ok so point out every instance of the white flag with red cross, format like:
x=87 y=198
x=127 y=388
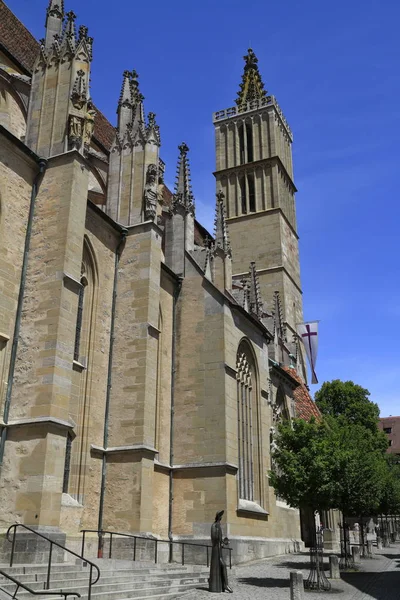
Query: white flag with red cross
x=308 y=332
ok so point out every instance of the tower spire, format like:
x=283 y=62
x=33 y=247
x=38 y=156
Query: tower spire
x=221 y=229
x=54 y=21
x=252 y=86
x=183 y=190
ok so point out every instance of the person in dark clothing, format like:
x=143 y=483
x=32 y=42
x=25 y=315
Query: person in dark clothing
x=218 y=581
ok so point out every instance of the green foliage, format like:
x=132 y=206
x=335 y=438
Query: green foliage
x=348 y=402
x=360 y=469
x=339 y=461
x=303 y=471
x=390 y=497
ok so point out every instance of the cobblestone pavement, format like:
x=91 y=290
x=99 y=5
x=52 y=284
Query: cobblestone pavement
x=377 y=579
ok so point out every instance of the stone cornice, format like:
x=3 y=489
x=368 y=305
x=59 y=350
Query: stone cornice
x=229 y=467
x=49 y=421
x=132 y=449
x=143 y=227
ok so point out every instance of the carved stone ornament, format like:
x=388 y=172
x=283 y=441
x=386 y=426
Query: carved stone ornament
x=89 y=124
x=75 y=131
x=151 y=193
x=78 y=96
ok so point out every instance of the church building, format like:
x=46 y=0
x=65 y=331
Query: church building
x=144 y=361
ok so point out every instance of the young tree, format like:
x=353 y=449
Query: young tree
x=349 y=404
x=360 y=469
x=303 y=470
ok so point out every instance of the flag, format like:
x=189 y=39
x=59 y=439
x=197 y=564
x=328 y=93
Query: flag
x=308 y=332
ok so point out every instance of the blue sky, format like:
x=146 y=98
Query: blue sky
x=334 y=68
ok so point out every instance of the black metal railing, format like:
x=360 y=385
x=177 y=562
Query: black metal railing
x=53 y=543
x=155 y=541
x=19 y=584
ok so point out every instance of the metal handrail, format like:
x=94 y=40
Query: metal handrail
x=53 y=543
x=34 y=592
x=101 y=533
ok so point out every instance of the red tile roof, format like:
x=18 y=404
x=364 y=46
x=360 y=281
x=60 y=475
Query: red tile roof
x=16 y=39
x=22 y=46
x=305 y=406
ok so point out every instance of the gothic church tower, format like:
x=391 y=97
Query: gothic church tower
x=254 y=171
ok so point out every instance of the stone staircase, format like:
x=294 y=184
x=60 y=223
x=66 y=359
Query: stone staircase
x=119 y=580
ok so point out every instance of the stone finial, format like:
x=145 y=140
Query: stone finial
x=183 y=190
x=279 y=324
x=256 y=304
x=83 y=32
x=69 y=37
x=89 y=43
x=251 y=87
x=153 y=130
x=138 y=121
x=125 y=97
x=221 y=228
x=79 y=95
x=55 y=9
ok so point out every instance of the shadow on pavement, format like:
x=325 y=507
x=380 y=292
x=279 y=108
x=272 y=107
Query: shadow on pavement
x=296 y=566
x=266 y=582
x=381 y=586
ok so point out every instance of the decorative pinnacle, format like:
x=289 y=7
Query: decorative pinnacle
x=83 y=32
x=251 y=87
x=56 y=9
x=125 y=97
x=183 y=189
x=255 y=293
x=69 y=32
x=152 y=129
x=221 y=229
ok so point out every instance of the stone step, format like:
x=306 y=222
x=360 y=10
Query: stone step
x=128 y=574
x=112 y=582
x=41 y=568
x=168 y=591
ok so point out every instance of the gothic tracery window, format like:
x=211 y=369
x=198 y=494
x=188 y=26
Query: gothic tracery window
x=248 y=435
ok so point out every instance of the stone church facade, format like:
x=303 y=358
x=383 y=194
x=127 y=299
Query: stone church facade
x=144 y=363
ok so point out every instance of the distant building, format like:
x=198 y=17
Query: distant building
x=391 y=426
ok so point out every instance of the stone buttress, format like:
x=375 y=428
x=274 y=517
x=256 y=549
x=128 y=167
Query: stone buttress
x=134 y=159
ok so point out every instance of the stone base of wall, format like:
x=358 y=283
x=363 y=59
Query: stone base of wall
x=244 y=549
x=30 y=548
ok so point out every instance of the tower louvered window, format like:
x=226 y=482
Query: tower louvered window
x=247 y=428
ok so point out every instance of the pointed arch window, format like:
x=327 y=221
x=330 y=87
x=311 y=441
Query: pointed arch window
x=77 y=449
x=79 y=316
x=248 y=426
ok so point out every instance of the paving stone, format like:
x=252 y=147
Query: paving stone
x=377 y=579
